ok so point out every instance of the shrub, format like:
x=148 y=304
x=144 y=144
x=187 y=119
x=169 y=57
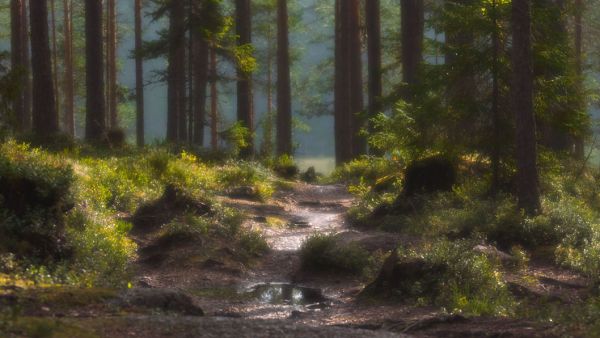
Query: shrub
x=369 y=170
x=35 y=193
x=449 y=274
x=322 y=253
x=285 y=167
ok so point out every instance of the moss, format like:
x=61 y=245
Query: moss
x=35 y=327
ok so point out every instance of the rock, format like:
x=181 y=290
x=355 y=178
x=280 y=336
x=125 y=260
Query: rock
x=244 y=192
x=161 y=299
x=494 y=254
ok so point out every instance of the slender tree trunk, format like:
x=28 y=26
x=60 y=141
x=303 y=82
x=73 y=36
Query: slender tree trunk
x=373 y=23
x=190 y=77
x=68 y=78
x=139 y=75
x=245 y=104
x=201 y=65
x=176 y=74
x=284 y=89
x=495 y=101
x=343 y=134
x=45 y=116
x=95 y=100
x=28 y=89
x=214 y=114
x=54 y=54
x=413 y=21
x=112 y=64
x=526 y=149
x=579 y=9
x=357 y=120
x=17 y=59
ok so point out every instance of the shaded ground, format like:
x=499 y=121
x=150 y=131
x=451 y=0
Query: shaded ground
x=286 y=303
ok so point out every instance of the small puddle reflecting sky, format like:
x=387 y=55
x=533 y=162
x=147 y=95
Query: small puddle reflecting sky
x=287 y=294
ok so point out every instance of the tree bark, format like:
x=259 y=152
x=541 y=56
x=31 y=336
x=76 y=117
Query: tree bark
x=245 y=104
x=17 y=60
x=343 y=140
x=373 y=23
x=526 y=149
x=28 y=89
x=95 y=101
x=139 y=75
x=413 y=25
x=284 y=90
x=579 y=9
x=200 y=73
x=111 y=64
x=45 y=116
x=214 y=114
x=176 y=120
x=357 y=121
x=54 y=54
x=68 y=77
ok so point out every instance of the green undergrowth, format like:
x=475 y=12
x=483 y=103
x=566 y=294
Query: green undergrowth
x=323 y=253
x=73 y=223
x=457 y=278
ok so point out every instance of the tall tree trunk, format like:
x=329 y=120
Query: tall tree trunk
x=357 y=121
x=45 y=116
x=176 y=74
x=111 y=64
x=579 y=9
x=284 y=89
x=201 y=64
x=245 y=104
x=373 y=23
x=413 y=25
x=214 y=114
x=343 y=135
x=528 y=192
x=17 y=59
x=28 y=88
x=495 y=100
x=68 y=77
x=139 y=75
x=54 y=54
x=95 y=125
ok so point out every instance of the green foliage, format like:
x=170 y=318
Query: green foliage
x=323 y=253
x=285 y=167
x=237 y=136
x=466 y=282
x=368 y=170
x=35 y=193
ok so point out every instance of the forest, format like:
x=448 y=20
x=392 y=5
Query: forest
x=273 y=168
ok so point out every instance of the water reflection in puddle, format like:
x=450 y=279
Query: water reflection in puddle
x=286 y=294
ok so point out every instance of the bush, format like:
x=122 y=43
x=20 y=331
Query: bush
x=285 y=167
x=370 y=171
x=35 y=194
x=448 y=274
x=322 y=253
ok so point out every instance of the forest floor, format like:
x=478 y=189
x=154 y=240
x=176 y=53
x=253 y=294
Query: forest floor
x=271 y=295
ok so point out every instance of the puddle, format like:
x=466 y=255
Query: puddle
x=286 y=294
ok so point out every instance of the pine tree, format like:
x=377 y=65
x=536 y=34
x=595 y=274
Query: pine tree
x=284 y=91
x=139 y=75
x=245 y=101
x=95 y=98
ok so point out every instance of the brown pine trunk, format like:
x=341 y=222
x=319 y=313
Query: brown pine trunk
x=373 y=23
x=245 y=104
x=357 y=122
x=522 y=94
x=413 y=20
x=17 y=59
x=28 y=89
x=495 y=101
x=284 y=89
x=343 y=135
x=139 y=75
x=214 y=114
x=68 y=78
x=45 y=116
x=200 y=74
x=95 y=100
x=579 y=9
x=176 y=118
x=111 y=64
x=54 y=54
